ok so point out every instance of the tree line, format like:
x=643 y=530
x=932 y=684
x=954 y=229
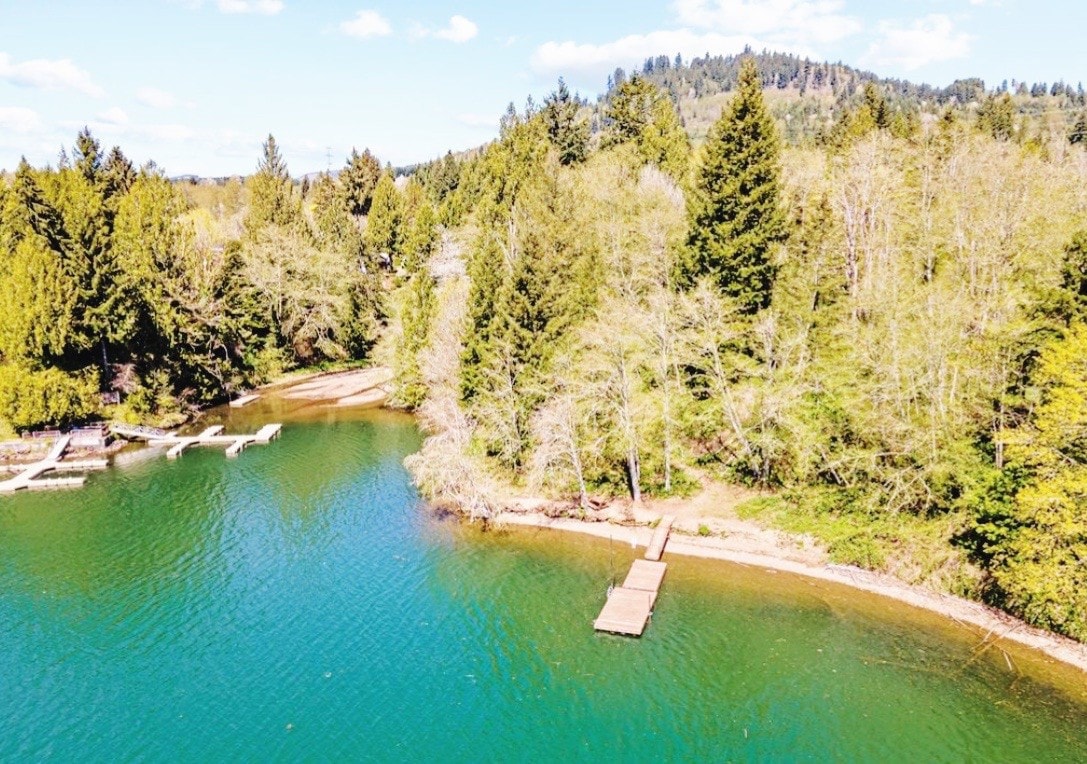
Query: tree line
x=883 y=329
x=113 y=282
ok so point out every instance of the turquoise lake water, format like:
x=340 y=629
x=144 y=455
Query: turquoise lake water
x=300 y=603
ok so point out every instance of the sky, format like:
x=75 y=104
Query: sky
x=197 y=85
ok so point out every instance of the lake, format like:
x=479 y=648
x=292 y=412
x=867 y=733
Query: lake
x=301 y=602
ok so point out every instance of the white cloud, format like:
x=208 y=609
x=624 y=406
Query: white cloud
x=262 y=7
x=588 y=60
x=458 y=30
x=113 y=116
x=41 y=73
x=780 y=21
x=367 y=24
x=155 y=98
x=923 y=41
x=19 y=119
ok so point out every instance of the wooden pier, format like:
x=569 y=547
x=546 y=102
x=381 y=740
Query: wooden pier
x=244 y=400
x=29 y=477
x=629 y=606
x=213 y=436
x=660 y=538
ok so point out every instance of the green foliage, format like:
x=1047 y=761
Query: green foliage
x=735 y=210
x=383 y=226
x=419 y=237
x=358 y=180
x=641 y=114
x=272 y=200
x=996 y=116
x=1077 y=135
x=568 y=132
x=416 y=315
x=32 y=398
x=101 y=266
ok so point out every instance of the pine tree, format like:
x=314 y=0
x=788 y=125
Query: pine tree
x=88 y=159
x=643 y=114
x=39 y=285
x=383 y=225
x=997 y=117
x=735 y=210
x=419 y=238
x=416 y=315
x=877 y=106
x=568 y=133
x=358 y=179
x=272 y=201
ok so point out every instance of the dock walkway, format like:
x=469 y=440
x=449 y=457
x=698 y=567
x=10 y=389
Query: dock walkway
x=629 y=606
x=213 y=436
x=29 y=476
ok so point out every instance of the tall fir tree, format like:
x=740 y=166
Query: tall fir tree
x=358 y=179
x=735 y=209
x=383 y=225
x=568 y=133
x=643 y=114
x=272 y=201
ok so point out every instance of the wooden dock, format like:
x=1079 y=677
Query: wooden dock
x=29 y=477
x=213 y=436
x=660 y=538
x=629 y=606
x=244 y=400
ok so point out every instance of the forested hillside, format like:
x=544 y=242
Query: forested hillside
x=864 y=298
x=881 y=325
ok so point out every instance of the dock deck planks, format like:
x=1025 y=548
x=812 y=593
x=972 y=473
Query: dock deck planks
x=646 y=576
x=626 y=612
x=29 y=478
x=629 y=606
x=660 y=538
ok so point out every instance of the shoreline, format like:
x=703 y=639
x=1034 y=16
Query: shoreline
x=999 y=625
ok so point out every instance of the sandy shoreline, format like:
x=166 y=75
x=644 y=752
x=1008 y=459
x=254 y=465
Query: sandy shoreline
x=999 y=625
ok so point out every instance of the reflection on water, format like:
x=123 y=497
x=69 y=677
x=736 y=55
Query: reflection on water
x=300 y=603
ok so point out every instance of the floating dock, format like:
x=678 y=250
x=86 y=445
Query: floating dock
x=244 y=400
x=29 y=477
x=213 y=436
x=629 y=606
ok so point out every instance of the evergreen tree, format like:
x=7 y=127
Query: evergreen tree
x=643 y=114
x=118 y=174
x=39 y=281
x=663 y=142
x=417 y=313
x=383 y=225
x=735 y=209
x=272 y=201
x=996 y=116
x=88 y=160
x=877 y=106
x=419 y=239
x=630 y=110
x=568 y=134
x=358 y=179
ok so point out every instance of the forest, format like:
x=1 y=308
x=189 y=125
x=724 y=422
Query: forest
x=866 y=301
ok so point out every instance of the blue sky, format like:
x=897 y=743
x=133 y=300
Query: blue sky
x=197 y=84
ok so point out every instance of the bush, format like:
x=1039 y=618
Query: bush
x=34 y=398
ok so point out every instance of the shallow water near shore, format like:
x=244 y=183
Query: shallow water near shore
x=301 y=602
